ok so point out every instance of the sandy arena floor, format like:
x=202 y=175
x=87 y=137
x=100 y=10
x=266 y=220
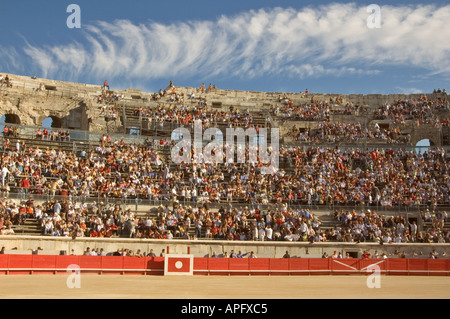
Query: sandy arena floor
x=218 y=287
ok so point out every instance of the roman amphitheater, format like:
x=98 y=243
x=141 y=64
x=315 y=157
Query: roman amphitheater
x=357 y=152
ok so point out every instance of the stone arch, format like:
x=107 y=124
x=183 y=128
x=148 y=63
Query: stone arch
x=423 y=145
x=51 y=122
x=426 y=139
x=426 y=132
x=10 y=118
x=432 y=139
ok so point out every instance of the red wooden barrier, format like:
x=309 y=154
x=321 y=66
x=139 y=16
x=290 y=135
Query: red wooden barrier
x=369 y=265
x=90 y=264
x=397 y=266
x=279 y=266
x=259 y=266
x=238 y=266
x=42 y=264
x=345 y=266
x=155 y=265
x=320 y=266
x=132 y=263
x=201 y=266
x=112 y=265
x=218 y=266
x=20 y=264
x=418 y=267
x=4 y=260
x=299 y=266
x=62 y=262
x=438 y=267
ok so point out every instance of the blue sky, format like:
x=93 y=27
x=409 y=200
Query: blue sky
x=272 y=46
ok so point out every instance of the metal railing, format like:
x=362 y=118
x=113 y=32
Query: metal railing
x=29 y=132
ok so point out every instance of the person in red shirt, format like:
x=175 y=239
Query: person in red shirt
x=45 y=134
x=94 y=233
x=25 y=183
x=365 y=255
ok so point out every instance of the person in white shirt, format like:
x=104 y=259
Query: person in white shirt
x=194 y=194
x=148 y=223
x=14 y=209
x=174 y=194
x=400 y=228
x=303 y=228
x=5 y=172
x=252 y=255
x=269 y=232
x=255 y=232
x=398 y=239
x=262 y=233
x=56 y=218
x=375 y=255
x=57 y=207
x=38 y=212
x=413 y=228
x=9 y=231
x=48 y=227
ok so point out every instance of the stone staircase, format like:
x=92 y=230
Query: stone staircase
x=30 y=227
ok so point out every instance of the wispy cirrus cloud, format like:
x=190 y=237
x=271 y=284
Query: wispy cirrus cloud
x=331 y=40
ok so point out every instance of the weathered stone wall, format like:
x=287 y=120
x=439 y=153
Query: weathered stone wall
x=31 y=106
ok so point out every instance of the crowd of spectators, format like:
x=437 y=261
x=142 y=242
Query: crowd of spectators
x=53 y=135
x=14 y=213
x=367 y=225
x=109 y=98
x=237 y=223
x=11 y=131
x=371 y=177
x=336 y=132
x=313 y=176
x=320 y=176
x=79 y=219
x=229 y=222
x=108 y=101
x=421 y=111
x=314 y=111
x=187 y=114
